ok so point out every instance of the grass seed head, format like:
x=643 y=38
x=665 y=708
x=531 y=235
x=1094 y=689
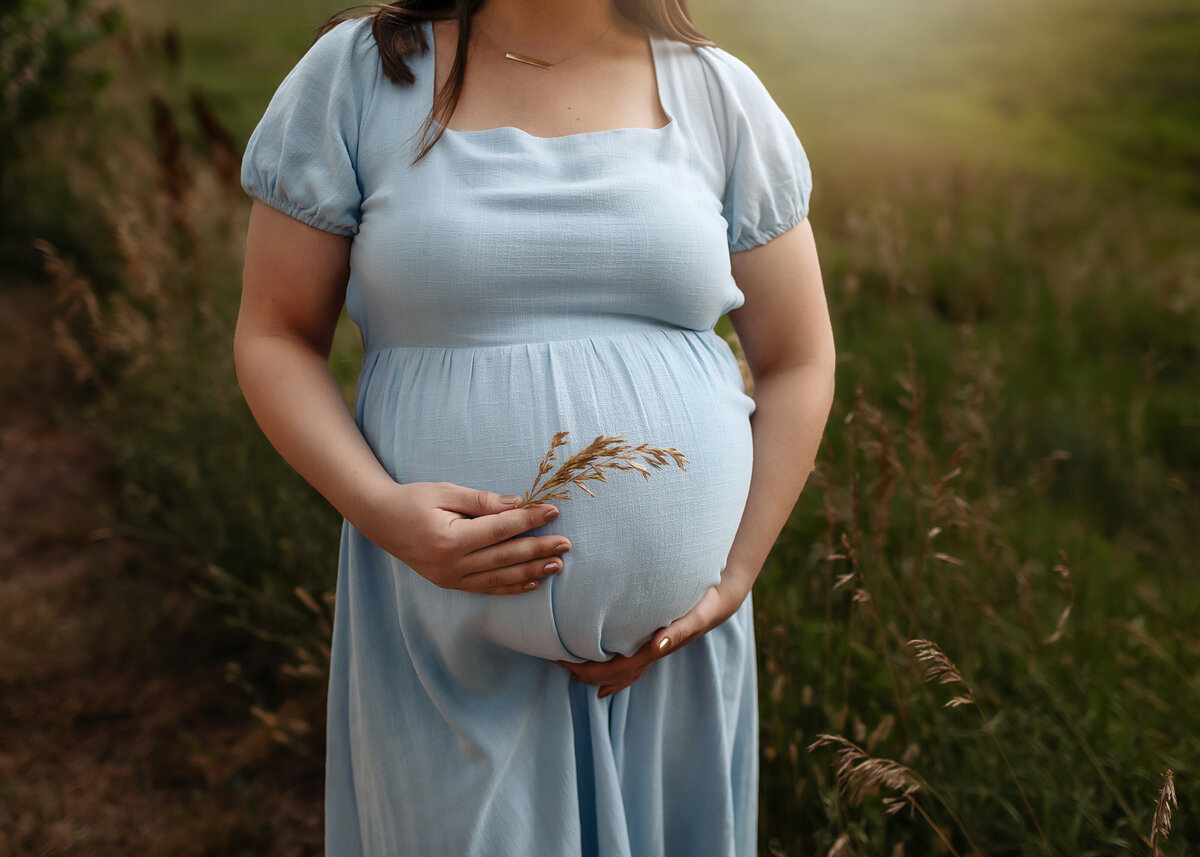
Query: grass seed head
x=593 y=463
x=936 y=667
x=1167 y=803
x=859 y=774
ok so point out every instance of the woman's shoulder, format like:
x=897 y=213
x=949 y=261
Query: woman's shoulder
x=338 y=75
x=723 y=65
x=724 y=80
x=347 y=47
x=303 y=155
x=766 y=179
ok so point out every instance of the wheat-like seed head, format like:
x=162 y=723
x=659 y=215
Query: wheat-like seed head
x=936 y=667
x=605 y=453
x=1167 y=802
x=859 y=774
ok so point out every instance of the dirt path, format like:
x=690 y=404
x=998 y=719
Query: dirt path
x=119 y=734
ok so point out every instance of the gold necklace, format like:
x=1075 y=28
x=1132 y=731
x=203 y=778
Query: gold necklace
x=533 y=61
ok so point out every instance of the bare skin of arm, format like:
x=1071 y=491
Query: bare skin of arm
x=786 y=334
x=458 y=537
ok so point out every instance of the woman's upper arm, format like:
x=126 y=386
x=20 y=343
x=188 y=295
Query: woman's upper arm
x=784 y=321
x=294 y=281
x=301 y=167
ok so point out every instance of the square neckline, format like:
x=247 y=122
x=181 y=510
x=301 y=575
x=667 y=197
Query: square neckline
x=657 y=64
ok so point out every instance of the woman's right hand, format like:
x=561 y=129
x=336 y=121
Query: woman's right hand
x=464 y=538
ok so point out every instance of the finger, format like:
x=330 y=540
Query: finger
x=607 y=682
x=513 y=589
x=589 y=676
x=594 y=672
x=488 y=530
x=684 y=629
x=502 y=578
x=617 y=686
x=609 y=690
x=598 y=672
x=588 y=680
x=675 y=636
x=584 y=672
x=515 y=552
x=476 y=502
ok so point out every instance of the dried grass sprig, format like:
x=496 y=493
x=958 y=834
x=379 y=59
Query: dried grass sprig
x=1167 y=802
x=936 y=667
x=591 y=464
x=860 y=774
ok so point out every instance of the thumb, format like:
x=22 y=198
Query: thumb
x=476 y=502
x=680 y=632
x=671 y=637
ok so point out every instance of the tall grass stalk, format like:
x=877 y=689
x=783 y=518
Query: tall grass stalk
x=938 y=668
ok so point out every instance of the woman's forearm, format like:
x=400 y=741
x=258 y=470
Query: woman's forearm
x=791 y=408
x=297 y=403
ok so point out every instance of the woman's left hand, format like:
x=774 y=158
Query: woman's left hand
x=716 y=605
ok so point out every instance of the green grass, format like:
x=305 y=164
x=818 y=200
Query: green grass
x=237 y=53
x=1006 y=210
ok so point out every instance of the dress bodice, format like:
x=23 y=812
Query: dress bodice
x=499 y=236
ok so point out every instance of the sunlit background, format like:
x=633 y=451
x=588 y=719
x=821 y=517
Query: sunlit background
x=1007 y=206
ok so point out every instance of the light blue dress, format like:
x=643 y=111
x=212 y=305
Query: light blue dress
x=510 y=286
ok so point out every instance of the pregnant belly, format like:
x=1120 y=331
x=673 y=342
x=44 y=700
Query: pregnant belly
x=643 y=551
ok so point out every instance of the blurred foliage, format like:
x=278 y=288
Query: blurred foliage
x=44 y=72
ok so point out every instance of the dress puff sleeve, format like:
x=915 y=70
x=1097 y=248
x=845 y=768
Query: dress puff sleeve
x=302 y=157
x=767 y=175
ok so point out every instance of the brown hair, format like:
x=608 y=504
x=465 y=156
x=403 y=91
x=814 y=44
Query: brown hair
x=398 y=32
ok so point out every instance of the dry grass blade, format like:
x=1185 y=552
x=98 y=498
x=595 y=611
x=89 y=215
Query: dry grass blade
x=1167 y=803
x=591 y=464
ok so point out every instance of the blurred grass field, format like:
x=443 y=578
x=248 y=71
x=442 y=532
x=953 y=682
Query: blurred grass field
x=1007 y=206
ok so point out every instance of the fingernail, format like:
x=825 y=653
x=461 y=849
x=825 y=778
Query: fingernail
x=551 y=515
x=553 y=565
x=664 y=644
x=531 y=585
x=510 y=500
x=562 y=548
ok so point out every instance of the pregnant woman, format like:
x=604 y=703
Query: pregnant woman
x=536 y=211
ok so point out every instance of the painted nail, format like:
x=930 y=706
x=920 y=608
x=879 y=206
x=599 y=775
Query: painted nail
x=531 y=585
x=562 y=547
x=664 y=644
x=553 y=566
x=551 y=515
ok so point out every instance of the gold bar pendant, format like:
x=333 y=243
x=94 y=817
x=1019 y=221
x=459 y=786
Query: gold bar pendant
x=528 y=60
